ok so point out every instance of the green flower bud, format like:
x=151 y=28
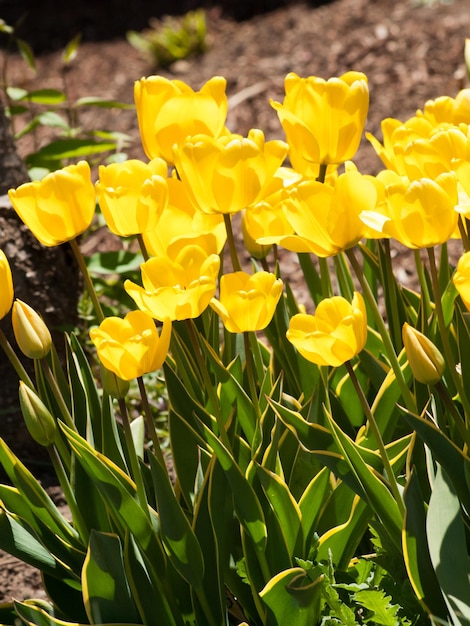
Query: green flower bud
x=426 y=362
x=31 y=333
x=39 y=421
x=113 y=385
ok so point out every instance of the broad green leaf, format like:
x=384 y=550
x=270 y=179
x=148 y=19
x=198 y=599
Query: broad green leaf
x=114 y=262
x=175 y=529
x=34 y=613
x=27 y=53
x=69 y=149
x=416 y=551
x=291 y=600
x=247 y=506
x=448 y=547
x=284 y=506
x=106 y=591
x=45 y=96
x=312 y=501
x=101 y=102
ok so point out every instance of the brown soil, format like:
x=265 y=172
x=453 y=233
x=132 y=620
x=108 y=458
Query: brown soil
x=411 y=52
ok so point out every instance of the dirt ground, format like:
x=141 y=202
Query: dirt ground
x=410 y=51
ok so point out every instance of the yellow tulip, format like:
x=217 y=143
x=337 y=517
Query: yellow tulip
x=335 y=334
x=132 y=195
x=168 y=111
x=323 y=119
x=447 y=110
x=179 y=286
x=418 y=214
x=131 y=347
x=426 y=362
x=31 y=333
x=461 y=279
x=247 y=302
x=6 y=285
x=59 y=207
x=227 y=174
x=326 y=218
x=181 y=221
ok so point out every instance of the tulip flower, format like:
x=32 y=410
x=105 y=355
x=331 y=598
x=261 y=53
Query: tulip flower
x=59 y=207
x=247 y=302
x=179 y=286
x=461 y=279
x=31 y=333
x=335 y=334
x=169 y=111
x=40 y=423
x=426 y=362
x=326 y=218
x=418 y=214
x=131 y=347
x=446 y=110
x=6 y=285
x=227 y=174
x=132 y=195
x=323 y=119
x=180 y=221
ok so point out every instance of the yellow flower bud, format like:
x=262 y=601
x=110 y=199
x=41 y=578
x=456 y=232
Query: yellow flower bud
x=59 y=207
x=6 y=285
x=31 y=333
x=426 y=362
x=334 y=335
x=461 y=279
x=40 y=423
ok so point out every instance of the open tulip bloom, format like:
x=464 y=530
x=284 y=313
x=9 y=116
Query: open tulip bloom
x=290 y=429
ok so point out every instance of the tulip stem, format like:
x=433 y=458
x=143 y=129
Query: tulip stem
x=14 y=360
x=87 y=278
x=444 y=334
x=133 y=458
x=152 y=431
x=59 y=398
x=385 y=335
x=231 y=243
x=378 y=437
x=213 y=399
x=143 y=247
x=464 y=233
x=424 y=286
x=250 y=374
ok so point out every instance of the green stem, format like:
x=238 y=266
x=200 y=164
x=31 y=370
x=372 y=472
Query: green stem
x=378 y=437
x=231 y=243
x=408 y=398
x=450 y=404
x=134 y=459
x=143 y=247
x=391 y=294
x=213 y=399
x=69 y=495
x=150 y=423
x=87 y=278
x=59 y=398
x=424 y=285
x=14 y=360
x=444 y=335
x=250 y=374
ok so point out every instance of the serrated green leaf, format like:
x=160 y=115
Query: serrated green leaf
x=376 y=601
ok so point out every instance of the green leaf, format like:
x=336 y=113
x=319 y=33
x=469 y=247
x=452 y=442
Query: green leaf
x=45 y=96
x=376 y=601
x=312 y=501
x=71 y=49
x=101 y=102
x=176 y=532
x=106 y=591
x=114 y=262
x=448 y=547
x=292 y=598
x=69 y=149
x=33 y=612
x=27 y=53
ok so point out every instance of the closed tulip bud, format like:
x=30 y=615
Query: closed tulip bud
x=426 y=362
x=59 y=207
x=40 y=423
x=6 y=285
x=113 y=385
x=31 y=333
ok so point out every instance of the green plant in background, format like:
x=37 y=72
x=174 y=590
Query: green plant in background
x=53 y=111
x=317 y=467
x=172 y=38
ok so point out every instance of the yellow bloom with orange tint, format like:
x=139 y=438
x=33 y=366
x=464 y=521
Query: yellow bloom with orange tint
x=335 y=334
x=169 y=111
x=6 y=285
x=59 y=207
x=247 y=302
x=132 y=195
x=227 y=174
x=179 y=286
x=132 y=346
x=323 y=119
